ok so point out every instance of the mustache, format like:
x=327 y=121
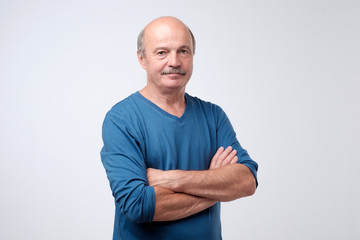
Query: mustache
x=173 y=70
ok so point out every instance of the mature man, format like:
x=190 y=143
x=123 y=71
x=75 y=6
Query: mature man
x=164 y=150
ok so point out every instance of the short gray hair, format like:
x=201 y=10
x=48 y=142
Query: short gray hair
x=141 y=42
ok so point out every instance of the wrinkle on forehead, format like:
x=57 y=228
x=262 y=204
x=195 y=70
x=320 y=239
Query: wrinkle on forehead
x=167 y=29
x=165 y=21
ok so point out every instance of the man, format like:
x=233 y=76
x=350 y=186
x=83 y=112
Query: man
x=164 y=150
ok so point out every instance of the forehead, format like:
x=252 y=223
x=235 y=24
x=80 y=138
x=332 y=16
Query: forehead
x=168 y=33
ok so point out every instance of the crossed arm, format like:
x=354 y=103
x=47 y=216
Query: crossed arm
x=179 y=194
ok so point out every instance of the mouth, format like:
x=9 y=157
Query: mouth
x=174 y=71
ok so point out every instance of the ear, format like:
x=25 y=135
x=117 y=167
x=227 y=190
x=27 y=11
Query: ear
x=142 y=60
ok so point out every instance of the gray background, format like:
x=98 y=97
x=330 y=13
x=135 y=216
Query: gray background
x=286 y=72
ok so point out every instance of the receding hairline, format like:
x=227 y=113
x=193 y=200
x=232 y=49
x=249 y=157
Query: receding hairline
x=141 y=37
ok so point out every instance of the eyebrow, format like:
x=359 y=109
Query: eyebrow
x=160 y=48
x=166 y=48
x=185 y=46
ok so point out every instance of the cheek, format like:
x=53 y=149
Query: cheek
x=157 y=66
x=188 y=65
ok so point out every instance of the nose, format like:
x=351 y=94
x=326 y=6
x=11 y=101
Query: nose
x=174 y=60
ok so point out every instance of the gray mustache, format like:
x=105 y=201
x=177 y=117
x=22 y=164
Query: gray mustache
x=174 y=70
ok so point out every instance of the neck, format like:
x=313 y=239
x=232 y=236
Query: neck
x=172 y=102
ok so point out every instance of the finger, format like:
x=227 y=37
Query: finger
x=223 y=156
x=215 y=162
x=148 y=171
x=149 y=176
x=225 y=153
x=234 y=160
x=229 y=158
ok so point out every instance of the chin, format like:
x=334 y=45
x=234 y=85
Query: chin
x=176 y=85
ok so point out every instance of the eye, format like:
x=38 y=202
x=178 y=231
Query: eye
x=184 y=51
x=160 y=53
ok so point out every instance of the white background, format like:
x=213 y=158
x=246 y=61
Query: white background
x=286 y=72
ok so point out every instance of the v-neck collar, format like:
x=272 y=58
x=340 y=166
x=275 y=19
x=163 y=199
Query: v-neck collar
x=139 y=96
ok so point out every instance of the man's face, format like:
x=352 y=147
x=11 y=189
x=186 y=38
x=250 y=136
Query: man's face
x=168 y=58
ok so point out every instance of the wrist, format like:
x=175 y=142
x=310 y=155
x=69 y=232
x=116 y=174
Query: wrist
x=178 y=180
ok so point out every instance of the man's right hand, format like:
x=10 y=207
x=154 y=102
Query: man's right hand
x=223 y=157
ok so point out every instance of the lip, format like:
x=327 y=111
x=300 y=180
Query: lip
x=174 y=75
x=178 y=74
x=181 y=72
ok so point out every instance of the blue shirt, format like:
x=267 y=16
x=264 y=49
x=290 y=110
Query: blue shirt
x=137 y=134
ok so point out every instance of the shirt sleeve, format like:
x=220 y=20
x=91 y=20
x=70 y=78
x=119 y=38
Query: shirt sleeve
x=126 y=170
x=226 y=136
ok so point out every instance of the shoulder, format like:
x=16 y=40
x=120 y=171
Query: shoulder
x=203 y=104
x=210 y=110
x=125 y=109
x=124 y=116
